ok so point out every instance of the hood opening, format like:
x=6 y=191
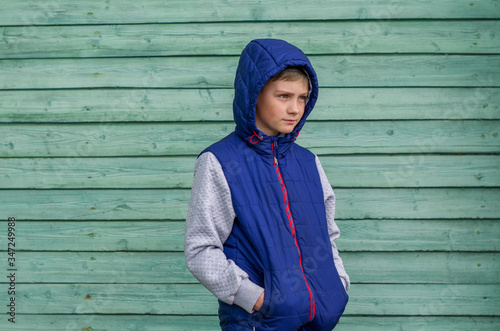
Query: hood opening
x=261 y=60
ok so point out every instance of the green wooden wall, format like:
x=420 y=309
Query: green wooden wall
x=104 y=106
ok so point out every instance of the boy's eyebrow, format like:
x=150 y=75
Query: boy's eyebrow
x=289 y=92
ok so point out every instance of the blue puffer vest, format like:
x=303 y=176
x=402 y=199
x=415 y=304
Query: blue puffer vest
x=280 y=236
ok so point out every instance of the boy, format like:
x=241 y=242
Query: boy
x=260 y=228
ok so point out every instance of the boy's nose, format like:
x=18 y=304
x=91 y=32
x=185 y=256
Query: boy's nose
x=294 y=107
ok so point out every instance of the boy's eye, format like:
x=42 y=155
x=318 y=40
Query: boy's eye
x=283 y=96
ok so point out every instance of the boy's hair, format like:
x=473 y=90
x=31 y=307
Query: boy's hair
x=291 y=74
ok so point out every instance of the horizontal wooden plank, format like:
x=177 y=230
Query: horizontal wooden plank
x=151 y=268
x=424 y=300
x=356 y=236
x=218 y=72
x=169 y=105
x=418 y=268
x=420 y=323
x=25 y=322
x=162 y=139
x=186 y=299
x=418 y=235
x=425 y=170
x=133 y=172
x=94 y=204
x=155 y=204
x=102 y=268
x=418 y=203
x=330 y=37
x=100 y=236
x=28 y=12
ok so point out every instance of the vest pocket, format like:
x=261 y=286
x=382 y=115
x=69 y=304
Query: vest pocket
x=286 y=298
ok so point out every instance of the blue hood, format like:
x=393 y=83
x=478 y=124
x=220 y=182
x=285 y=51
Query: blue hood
x=260 y=60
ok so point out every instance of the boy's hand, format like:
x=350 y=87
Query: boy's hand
x=259 y=302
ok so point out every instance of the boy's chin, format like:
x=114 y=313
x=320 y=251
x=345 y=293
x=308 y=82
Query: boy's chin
x=287 y=130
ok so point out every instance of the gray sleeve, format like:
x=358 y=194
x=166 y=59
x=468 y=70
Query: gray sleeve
x=333 y=229
x=208 y=224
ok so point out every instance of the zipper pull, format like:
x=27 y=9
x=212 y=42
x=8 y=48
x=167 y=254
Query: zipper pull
x=275 y=151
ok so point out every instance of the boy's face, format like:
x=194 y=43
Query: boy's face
x=280 y=106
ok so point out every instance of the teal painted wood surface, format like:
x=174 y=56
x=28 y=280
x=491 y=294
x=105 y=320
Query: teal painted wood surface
x=161 y=139
x=211 y=323
x=419 y=235
x=29 y=12
x=169 y=267
x=413 y=170
x=384 y=235
x=330 y=37
x=434 y=323
x=428 y=300
x=104 y=106
x=86 y=322
x=176 y=105
x=188 y=299
x=218 y=72
x=171 y=204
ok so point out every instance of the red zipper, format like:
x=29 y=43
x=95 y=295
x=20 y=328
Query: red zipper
x=292 y=228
